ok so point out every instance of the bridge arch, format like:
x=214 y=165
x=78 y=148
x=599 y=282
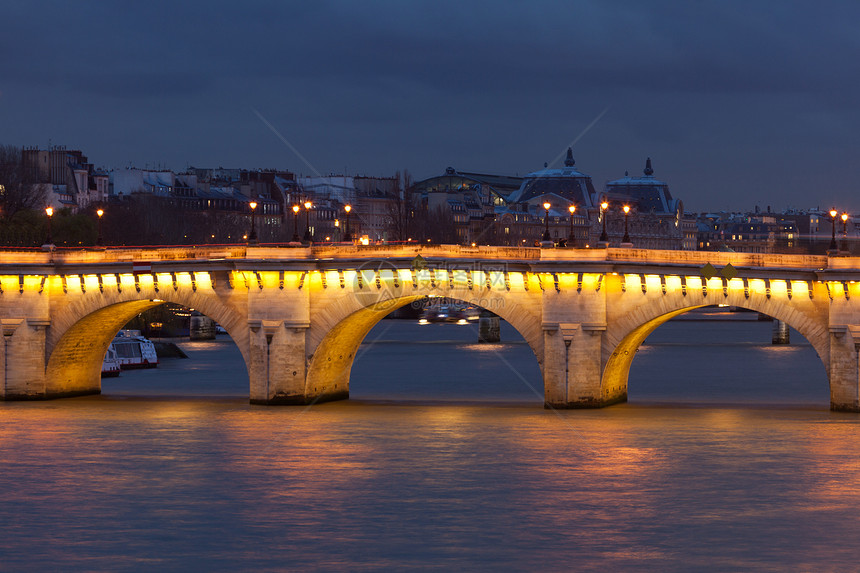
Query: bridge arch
x=629 y=332
x=81 y=332
x=340 y=330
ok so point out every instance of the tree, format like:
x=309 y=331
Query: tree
x=143 y=219
x=401 y=208
x=19 y=190
x=24 y=229
x=440 y=227
x=73 y=230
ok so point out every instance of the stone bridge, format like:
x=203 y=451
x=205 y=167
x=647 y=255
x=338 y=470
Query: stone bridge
x=298 y=315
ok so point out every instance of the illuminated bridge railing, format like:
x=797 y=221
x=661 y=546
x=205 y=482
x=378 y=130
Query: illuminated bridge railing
x=322 y=252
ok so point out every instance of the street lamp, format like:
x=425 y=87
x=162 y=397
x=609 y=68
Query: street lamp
x=603 y=207
x=296 y=223
x=100 y=212
x=308 y=206
x=252 y=236
x=626 y=238
x=546 y=207
x=348 y=235
x=833 y=213
x=49 y=211
x=844 y=231
x=571 y=240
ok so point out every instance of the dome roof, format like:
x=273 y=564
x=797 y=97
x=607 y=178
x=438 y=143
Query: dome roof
x=651 y=194
x=566 y=182
x=646 y=179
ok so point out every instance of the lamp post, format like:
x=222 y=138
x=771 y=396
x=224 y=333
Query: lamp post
x=626 y=238
x=49 y=211
x=571 y=240
x=833 y=213
x=296 y=223
x=252 y=236
x=99 y=241
x=546 y=207
x=603 y=207
x=348 y=235
x=844 y=231
x=308 y=206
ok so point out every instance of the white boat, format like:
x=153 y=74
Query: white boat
x=134 y=351
x=110 y=365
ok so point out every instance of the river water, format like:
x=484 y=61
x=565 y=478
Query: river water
x=725 y=458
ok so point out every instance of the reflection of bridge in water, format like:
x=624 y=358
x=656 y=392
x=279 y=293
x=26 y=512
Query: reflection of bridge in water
x=298 y=315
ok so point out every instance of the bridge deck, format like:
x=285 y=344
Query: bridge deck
x=515 y=259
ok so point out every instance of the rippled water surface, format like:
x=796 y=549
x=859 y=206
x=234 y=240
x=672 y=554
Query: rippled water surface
x=725 y=458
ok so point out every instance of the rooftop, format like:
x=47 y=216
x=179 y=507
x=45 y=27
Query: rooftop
x=566 y=182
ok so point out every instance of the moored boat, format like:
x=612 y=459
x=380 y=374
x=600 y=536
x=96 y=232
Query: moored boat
x=110 y=365
x=134 y=350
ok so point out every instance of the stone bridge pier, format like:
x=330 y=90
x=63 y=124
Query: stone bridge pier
x=573 y=328
x=845 y=368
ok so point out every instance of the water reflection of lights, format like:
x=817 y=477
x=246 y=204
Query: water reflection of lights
x=487 y=348
x=782 y=349
x=423 y=321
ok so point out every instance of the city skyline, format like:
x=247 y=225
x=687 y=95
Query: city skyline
x=733 y=110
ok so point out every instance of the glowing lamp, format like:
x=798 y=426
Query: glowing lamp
x=604 y=238
x=99 y=240
x=49 y=211
x=626 y=238
x=833 y=213
x=546 y=207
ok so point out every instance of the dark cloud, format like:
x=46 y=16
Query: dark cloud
x=733 y=99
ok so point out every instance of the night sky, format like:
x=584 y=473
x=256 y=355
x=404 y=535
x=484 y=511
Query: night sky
x=737 y=103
